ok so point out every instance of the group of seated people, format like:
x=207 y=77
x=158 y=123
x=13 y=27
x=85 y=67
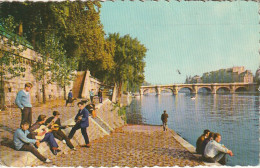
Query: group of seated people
x=208 y=145
x=28 y=138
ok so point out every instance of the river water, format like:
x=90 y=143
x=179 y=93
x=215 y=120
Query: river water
x=234 y=116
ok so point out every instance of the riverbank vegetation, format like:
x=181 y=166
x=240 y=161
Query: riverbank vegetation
x=70 y=37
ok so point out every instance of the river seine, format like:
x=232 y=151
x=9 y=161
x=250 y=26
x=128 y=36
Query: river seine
x=234 y=116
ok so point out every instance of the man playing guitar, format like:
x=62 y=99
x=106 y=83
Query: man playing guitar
x=55 y=121
x=82 y=123
x=42 y=133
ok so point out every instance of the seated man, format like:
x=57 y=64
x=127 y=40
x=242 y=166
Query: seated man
x=200 y=140
x=205 y=142
x=58 y=133
x=22 y=143
x=43 y=134
x=91 y=108
x=215 y=152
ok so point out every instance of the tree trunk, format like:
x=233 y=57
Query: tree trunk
x=43 y=94
x=119 y=92
x=64 y=91
x=20 y=29
x=2 y=94
x=33 y=39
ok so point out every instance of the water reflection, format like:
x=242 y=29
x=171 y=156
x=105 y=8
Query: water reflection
x=235 y=116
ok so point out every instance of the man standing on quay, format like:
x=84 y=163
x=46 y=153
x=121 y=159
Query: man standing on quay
x=164 y=120
x=82 y=123
x=23 y=101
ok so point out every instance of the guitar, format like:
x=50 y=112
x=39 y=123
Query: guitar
x=79 y=118
x=42 y=128
x=56 y=127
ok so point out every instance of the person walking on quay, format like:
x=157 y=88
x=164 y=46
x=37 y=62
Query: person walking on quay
x=23 y=101
x=215 y=151
x=164 y=118
x=82 y=123
x=70 y=96
x=91 y=94
x=22 y=143
x=58 y=133
x=41 y=132
x=100 y=96
x=200 y=140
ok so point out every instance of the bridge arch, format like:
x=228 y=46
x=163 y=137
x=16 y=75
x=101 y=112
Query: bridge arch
x=208 y=89
x=241 y=88
x=167 y=89
x=225 y=88
x=149 y=90
x=185 y=87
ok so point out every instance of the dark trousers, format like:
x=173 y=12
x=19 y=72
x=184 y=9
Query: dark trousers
x=49 y=137
x=61 y=136
x=91 y=99
x=83 y=132
x=33 y=150
x=27 y=115
x=164 y=126
x=100 y=99
x=220 y=157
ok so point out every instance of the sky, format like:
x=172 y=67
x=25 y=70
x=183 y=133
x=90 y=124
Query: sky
x=193 y=37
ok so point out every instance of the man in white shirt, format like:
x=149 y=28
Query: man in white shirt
x=215 y=151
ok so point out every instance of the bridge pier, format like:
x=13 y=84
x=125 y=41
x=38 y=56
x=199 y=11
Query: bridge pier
x=158 y=90
x=195 y=90
x=141 y=91
x=214 y=90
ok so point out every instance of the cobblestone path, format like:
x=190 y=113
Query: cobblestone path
x=131 y=146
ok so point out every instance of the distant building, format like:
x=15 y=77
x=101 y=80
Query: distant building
x=257 y=75
x=229 y=75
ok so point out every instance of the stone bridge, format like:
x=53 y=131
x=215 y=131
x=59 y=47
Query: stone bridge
x=194 y=88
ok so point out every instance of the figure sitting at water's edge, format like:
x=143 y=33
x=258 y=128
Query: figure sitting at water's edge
x=216 y=152
x=164 y=117
x=200 y=140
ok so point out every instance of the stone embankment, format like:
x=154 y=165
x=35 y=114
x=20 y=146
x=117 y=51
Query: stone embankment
x=113 y=143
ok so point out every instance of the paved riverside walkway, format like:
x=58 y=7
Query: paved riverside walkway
x=131 y=146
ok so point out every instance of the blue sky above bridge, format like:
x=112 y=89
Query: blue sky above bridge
x=194 y=37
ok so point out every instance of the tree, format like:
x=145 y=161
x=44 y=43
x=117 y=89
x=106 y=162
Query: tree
x=129 y=62
x=10 y=49
x=54 y=65
x=77 y=25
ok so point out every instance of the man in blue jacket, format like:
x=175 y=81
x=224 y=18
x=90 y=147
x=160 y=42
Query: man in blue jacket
x=22 y=143
x=23 y=101
x=82 y=123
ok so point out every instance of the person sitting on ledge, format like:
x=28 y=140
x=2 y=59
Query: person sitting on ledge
x=205 y=142
x=58 y=133
x=216 y=152
x=41 y=132
x=22 y=143
x=200 y=140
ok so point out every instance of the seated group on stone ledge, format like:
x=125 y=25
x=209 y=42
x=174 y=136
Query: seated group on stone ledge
x=28 y=138
x=208 y=145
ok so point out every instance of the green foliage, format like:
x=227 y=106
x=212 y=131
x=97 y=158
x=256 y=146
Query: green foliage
x=129 y=62
x=77 y=25
x=10 y=50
